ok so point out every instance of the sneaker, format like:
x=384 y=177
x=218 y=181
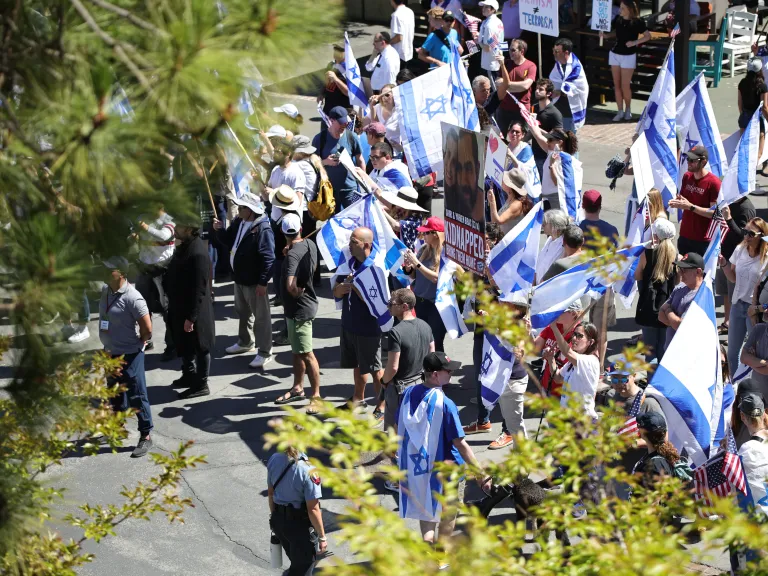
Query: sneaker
x=619 y=116
x=502 y=441
x=378 y=415
x=275 y=301
x=142 y=447
x=195 y=392
x=627 y=115
x=260 y=361
x=168 y=355
x=80 y=335
x=476 y=428
x=239 y=349
x=356 y=406
x=392 y=486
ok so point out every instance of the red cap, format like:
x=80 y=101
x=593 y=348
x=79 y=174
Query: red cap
x=591 y=200
x=433 y=224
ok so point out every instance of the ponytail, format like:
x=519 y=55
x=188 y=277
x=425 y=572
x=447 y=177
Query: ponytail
x=658 y=440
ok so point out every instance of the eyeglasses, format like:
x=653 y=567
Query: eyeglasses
x=619 y=379
x=392 y=303
x=751 y=233
x=387 y=94
x=377 y=157
x=513 y=50
x=579 y=335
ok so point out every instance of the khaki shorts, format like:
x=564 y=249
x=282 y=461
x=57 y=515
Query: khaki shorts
x=299 y=335
x=596 y=314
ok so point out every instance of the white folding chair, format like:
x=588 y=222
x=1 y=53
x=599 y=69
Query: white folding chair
x=741 y=35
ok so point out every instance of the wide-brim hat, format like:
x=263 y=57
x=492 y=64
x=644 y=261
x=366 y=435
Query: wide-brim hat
x=250 y=201
x=303 y=145
x=515 y=179
x=285 y=198
x=405 y=197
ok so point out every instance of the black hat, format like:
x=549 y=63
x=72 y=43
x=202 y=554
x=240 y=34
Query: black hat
x=698 y=153
x=448 y=16
x=690 y=260
x=436 y=361
x=752 y=405
x=652 y=422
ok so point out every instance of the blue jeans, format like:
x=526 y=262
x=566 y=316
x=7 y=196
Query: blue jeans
x=655 y=339
x=135 y=394
x=738 y=326
x=483 y=415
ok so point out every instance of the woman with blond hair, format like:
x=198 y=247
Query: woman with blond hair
x=744 y=269
x=656 y=279
x=424 y=268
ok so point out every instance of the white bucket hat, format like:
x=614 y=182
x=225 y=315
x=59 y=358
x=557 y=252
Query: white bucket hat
x=250 y=201
x=405 y=197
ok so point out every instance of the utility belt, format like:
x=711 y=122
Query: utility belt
x=401 y=385
x=288 y=512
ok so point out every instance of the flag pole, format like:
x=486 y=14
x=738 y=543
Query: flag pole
x=541 y=64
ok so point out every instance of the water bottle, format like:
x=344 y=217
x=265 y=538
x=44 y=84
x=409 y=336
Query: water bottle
x=275 y=552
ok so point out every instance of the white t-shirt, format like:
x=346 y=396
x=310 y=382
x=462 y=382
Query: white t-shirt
x=292 y=176
x=241 y=232
x=310 y=179
x=747 y=273
x=491 y=29
x=754 y=457
x=553 y=250
x=403 y=22
x=582 y=379
x=392 y=125
x=384 y=68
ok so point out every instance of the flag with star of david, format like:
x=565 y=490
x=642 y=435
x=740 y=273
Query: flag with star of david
x=739 y=180
x=495 y=369
x=420 y=424
x=354 y=79
x=462 y=98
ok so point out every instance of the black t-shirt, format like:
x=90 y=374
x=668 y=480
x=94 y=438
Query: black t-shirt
x=492 y=104
x=742 y=211
x=751 y=97
x=550 y=118
x=300 y=262
x=563 y=106
x=626 y=31
x=411 y=338
x=332 y=95
x=356 y=318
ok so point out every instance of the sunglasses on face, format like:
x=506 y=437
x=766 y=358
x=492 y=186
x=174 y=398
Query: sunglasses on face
x=579 y=335
x=376 y=157
x=430 y=232
x=751 y=234
x=619 y=379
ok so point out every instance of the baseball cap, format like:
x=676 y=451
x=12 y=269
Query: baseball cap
x=433 y=224
x=752 y=405
x=376 y=129
x=276 y=130
x=591 y=200
x=690 y=260
x=652 y=422
x=339 y=113
x=754 y=65
x=621 y=366
x=491 y=3
x=698 y=153
x=291 y=224
x=436 y=361
x=448 y=16
x=663 y=228
x=117 y=263
x=288 y=110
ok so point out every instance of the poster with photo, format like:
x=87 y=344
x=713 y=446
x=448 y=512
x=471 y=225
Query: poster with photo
x=464 y=176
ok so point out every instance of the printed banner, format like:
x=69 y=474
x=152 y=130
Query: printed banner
x=495 y=156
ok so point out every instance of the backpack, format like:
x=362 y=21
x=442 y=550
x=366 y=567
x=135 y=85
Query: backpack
x=324 y=204
x=681 y=470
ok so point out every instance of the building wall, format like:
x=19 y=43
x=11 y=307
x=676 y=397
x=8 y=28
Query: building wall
x=369 y=11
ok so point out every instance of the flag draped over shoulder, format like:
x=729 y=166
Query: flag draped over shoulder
x=370 y=279
x=421 y=431
x=446 y=302
x=573 y=83
x=495 y=368
x=569 y=186
x=513 y=260
x=357 y=95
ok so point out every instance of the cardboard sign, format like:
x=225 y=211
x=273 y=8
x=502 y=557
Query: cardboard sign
x=601 y=15
x=540 y=16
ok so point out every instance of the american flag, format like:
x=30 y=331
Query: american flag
x=732 y=467
x=675 y=31
x=472 y=24
x=717 y=220
x=719 y=476
x=630 y=426
x=472 y=47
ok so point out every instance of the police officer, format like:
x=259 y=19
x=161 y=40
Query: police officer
x=294 y=501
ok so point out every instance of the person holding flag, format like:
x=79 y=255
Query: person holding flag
x=661 y=457
x=571 y=87
x=489 y=38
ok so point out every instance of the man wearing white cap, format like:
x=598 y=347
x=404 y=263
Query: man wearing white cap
x=251 y=246
x=289 y=117
x=300 y=304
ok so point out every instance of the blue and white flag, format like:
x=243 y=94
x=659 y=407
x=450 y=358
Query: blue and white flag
x=121 y=106
x=513 y=260
x=424 y=103
x=552 y=298
x=729 y=396
x=446 y=302
x=528 y=163
x=420 y=447
x=569 y=187
x=370 y=279
x=463 y=98
x=712 y=253
x=739 y=179
x=688 y=381
x=393 y=177
x=357 y=95
x=698 y=125
x=333 y=238
x=498 y=361
x=571 y=81
x=742 y=372
x=659 y=122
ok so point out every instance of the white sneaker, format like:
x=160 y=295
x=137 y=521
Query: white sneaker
x=260 y=361
x=619 y=116
x=238 y=349
x=628 y=115
x=81 y=334
x=392 y=486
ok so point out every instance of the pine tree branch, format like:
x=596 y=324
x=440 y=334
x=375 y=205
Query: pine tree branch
x=141 y=23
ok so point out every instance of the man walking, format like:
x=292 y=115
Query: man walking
x=300 y=305
x=691 y=267
x=571 y=87
x=384 y=62
x=522 y=75
x=125 y=325
x=402 y=25
x=251 y=246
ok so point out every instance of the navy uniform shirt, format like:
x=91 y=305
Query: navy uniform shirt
x=300 y=483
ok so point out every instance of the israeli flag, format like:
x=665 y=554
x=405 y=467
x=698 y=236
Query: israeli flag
x=742 y=372
x=513 y=260
x=333 y=238
x=496 y=367
x=528 y=163
x=424 y=103
x=370 y=279
x=421 y=446
x=569 y=186
x=571 y=81
x=121 y=106
x=697 y=121
x=739 y=179
x=659 y=122
x=636 y=235
x=446 y=302
x=357 y=95
x=551 y=298
x=462 y=98
x=393 y=177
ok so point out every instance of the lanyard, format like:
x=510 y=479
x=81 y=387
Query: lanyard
x=241 y=232
x=119 y=295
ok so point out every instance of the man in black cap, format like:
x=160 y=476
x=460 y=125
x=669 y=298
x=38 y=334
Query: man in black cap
x=691 y=267
x=698 y=192
x=329 y=144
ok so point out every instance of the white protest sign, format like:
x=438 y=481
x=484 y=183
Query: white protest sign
x=601 y=15
x=495 y=155
x=346 y=160
x=641 y=167
x=539 y=16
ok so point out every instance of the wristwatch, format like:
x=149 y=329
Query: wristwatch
x=691 y=207
x=418 y=265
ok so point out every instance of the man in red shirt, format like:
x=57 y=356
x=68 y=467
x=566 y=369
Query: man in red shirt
x=521 y=76
x=698 y=192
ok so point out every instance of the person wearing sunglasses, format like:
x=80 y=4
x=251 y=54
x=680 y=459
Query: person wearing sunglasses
x=691 y=268
x=622 y=379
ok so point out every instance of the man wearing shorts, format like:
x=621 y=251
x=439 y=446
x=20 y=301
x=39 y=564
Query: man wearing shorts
x=300 y=305
x=360 y=341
